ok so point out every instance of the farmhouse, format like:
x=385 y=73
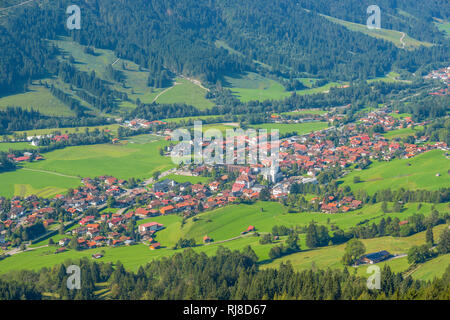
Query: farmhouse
x=375 y=257
x=155 y=245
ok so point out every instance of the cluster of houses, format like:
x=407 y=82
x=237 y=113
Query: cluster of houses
x=136 y=124
x=442 y=74
x=313 y=153
x=332 y=205
x=25 y=157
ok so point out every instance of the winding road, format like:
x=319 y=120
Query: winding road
x=401 y=40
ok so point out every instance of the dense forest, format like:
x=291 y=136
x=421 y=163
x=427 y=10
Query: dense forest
x=180 y=38
x=225 y=275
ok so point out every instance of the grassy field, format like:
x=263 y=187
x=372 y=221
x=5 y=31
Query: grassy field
x=39 y=132
x=305 y=111
x=300 y=128
x=401 y=133
x=184 y=91
x=433 y=268
x=225 y=223
x=24 y=183
x=191 y=179
x=228 y=222
x=253 y=86
x=322 y=89
x=6 y=146
x=389 y=78
x=421 y=174
x=132 y=257
x=122 y=161
x=38 y=98
x=444 y=26
x=385 y=34
x=135 y=77
x=177 y=120
x=331 y=256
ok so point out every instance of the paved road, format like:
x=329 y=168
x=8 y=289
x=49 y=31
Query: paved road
x=17 y=250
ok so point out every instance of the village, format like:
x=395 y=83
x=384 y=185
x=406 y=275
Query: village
x=104 y=211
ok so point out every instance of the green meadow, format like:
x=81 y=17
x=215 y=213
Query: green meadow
x=433 y=268
x=330 y=256
x=253 y=86
x=191 y=179
x=6 y=146
x=401 y=133
x=444 y=26
x=184 y=91
x=135 y=84
x=229 y=221
x=223 y=224
x=39 y=132
x=385 y=34
x=305 y=111
x=131 y=256
x=396 y=174
x=390 y=77
x=177 y=120
x=300 y=128
x=322 y=89
x=24 y=183
x=122 y=161
x=38 y=98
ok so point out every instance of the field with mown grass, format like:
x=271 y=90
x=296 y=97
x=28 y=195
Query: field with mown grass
x=25 y=183
x=185 y=91
x=396 y=174
x=252 y=86
x=38 y=98
x=402 y=133
x=122 y=161
x=6 y=146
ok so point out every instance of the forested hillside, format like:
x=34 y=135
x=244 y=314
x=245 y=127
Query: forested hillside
x=227 y=275
x=169 y=37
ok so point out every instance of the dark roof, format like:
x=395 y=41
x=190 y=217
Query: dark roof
x=377 y=255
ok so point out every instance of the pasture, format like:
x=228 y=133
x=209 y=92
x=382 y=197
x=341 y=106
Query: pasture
x=121 y=161
x=252 y=86
x=191 y=179
x=419 y=174
x=330 y=256
x=38 y=98
x=6 y=146
x=24 y=183
x=385 y=34
x=184 y=91
x=401 y=133
x=39 y=132
x=227 y=223
x=305 y=111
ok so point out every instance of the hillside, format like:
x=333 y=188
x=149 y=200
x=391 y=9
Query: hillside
x=254 y=52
